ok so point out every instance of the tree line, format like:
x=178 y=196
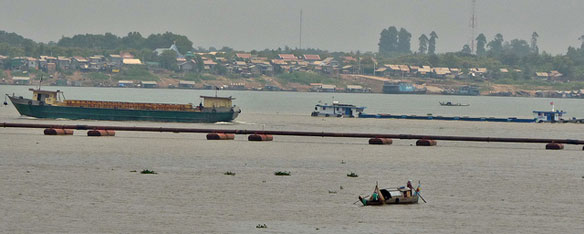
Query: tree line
x=517 y=54
x=394 y=43
x=12 y=44
x=133 y=40
x=395 y=46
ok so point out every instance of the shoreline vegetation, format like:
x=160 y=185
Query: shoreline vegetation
x=168 y=60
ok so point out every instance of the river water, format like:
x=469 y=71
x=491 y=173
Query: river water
x=78 y=184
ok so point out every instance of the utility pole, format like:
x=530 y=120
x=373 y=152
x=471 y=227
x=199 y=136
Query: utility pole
x=473 y=24
x=300 y=29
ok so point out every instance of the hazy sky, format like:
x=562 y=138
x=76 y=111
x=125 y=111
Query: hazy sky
x=339 y=25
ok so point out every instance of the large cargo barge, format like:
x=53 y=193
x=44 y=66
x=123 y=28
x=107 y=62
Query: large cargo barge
x=52 y=105
x=553 y=116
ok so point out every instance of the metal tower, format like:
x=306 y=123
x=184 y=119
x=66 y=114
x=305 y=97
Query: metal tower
x=473 y=25
x=300 y=29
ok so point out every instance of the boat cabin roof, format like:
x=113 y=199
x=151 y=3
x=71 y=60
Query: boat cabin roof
x=213 y=97
x=549 y=112
x=403 y=188
x=338 y=105
x=44 y=91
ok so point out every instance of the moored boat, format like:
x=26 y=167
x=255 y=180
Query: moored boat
x=397 y=195
x=402 y=88
x=337 y=110
x=453 y=104
x=552 y=116
x=52 y=105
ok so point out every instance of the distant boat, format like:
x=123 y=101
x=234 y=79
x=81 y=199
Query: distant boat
x=401 y=88
x=453 y=104
x=337 y=110
x=552 y=116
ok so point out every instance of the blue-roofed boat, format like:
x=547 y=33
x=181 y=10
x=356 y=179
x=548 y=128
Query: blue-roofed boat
x=552 y=116
x=337 y=109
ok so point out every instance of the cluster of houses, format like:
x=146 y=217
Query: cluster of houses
x=550 y=76
x=50 y=64
x=561 y=94
x=319 y=87
x=249 y=65
x=392 y=70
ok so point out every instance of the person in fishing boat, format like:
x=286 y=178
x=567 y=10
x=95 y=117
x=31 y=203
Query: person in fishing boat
x=373 y=198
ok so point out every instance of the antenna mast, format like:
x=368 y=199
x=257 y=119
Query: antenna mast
x=300 y=29
x=473 y=24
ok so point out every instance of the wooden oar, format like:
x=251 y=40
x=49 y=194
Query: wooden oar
x=419 y=194
x=360 y=200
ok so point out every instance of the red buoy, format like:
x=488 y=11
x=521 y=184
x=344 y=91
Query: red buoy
x=554 y=146
x=110 y=132
x=380 y=141
x=426 y=142
x=260 y=137
x=220 y=136
x=58 y=131
x=101 y=132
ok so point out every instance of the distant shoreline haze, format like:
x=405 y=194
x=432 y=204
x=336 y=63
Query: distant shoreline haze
x=107 y=58
x=334 y=25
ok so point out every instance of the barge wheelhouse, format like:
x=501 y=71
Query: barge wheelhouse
x=337 y=110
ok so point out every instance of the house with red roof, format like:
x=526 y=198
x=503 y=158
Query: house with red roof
x=243 y=56
x=287 y=57
x=311 y=57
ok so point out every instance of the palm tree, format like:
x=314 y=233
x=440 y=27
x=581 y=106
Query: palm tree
x=534 y=48
x=423 y=44
x=481 y=42
x=432 y=43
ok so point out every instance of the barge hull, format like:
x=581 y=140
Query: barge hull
x=417 y=117
x=74 y=113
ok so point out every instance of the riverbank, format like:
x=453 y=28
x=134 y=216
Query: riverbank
x=304 y=82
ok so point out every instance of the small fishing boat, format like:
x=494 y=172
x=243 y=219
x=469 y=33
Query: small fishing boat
x=453 y=104
x=397 y=195
x=337 y=109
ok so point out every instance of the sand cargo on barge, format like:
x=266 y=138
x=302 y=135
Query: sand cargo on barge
x=52 y=105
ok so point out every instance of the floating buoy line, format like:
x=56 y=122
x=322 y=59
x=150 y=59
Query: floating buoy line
x=266 y=135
